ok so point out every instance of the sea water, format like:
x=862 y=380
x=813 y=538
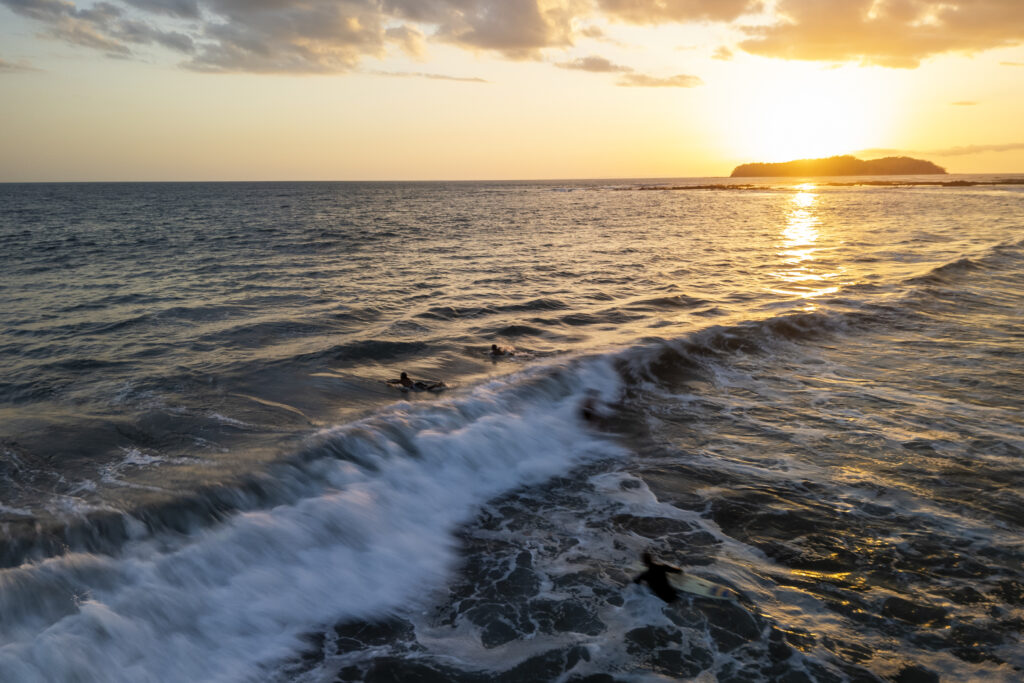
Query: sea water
x=808 y=392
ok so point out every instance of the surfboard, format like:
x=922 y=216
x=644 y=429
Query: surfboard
x=702 y=587
x=688 y=583
x=434 y=386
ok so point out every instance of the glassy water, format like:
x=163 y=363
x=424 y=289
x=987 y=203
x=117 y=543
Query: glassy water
x=808 y=393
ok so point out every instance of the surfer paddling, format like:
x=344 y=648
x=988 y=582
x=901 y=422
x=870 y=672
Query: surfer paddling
x=405 y=384
x=498 y=351
x=656 y=578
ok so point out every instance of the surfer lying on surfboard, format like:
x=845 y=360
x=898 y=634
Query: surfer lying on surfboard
x=405 y=384
x=657 y=578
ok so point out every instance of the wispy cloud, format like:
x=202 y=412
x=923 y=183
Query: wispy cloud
x=964 y=103
x=966 y=150
x=430 y=76
x=16 y=67
x=594 y=64
x=645 y=81
x=963 y=150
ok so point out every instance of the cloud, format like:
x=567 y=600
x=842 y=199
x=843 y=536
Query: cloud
x=662 y=11
x=103 y=26
x=594 y=64
x=964 y=103
x=330 y=36
x=964 y=150
x=518 y=29
x=186 y=9
x=409 y=38
x=310 y=36
x=723 y=53
x=893 y=33
x=420 y=74
x=16 y=67
x=279 y=36
x=142 y=33
x=1012 y=63
x=976 y=149
x=645 y=81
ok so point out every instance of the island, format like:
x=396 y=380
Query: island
x=840 y=165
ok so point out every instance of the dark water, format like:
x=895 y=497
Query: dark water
x=808 y=393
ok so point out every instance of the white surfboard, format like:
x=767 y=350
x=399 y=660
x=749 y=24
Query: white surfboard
x=702 y=587
x=688 y=583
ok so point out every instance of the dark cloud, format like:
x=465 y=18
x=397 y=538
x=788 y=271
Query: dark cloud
x=103 y=26
x=186 y=9
x=274 y=36
x=645 y=81
x=324 y=36
x=516 y=28
x=40 y=10
x=594 y=64
x=143 y=33
x=307 y=35
x=893 y=33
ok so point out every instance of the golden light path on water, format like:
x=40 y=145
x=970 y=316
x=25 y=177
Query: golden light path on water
x=802 y=276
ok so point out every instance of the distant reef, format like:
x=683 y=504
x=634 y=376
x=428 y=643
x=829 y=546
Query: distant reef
x=843 y=165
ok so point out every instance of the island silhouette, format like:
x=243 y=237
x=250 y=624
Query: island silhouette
x=839 y=165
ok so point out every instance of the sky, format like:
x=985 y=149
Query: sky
x=152 y=90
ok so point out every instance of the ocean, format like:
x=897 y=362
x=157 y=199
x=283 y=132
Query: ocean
x=807 y=392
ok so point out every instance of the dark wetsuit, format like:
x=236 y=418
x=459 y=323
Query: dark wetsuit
x=656 y=577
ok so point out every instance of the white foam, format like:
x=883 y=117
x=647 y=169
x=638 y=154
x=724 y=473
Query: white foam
x=8 y=510
x=233 y=599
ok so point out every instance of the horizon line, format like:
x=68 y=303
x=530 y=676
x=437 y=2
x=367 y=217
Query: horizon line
x=437 y=180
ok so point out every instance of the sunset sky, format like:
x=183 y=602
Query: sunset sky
x=501 y=89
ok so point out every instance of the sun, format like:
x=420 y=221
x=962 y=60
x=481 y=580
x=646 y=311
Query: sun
x=804 y=112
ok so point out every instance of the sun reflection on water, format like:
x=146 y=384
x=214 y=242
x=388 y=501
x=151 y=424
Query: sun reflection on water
x=799 y=251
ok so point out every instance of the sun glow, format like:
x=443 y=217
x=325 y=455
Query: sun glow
x=802 y=112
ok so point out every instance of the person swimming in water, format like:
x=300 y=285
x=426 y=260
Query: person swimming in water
x=406 y=383
x=499 y=351
x=656 y=578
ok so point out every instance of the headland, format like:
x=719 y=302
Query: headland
x=838 y=166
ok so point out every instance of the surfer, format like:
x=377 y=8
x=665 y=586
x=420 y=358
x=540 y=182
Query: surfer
x=406 y=383
x=499 y=351
x=590 y=409
x=656 y=577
